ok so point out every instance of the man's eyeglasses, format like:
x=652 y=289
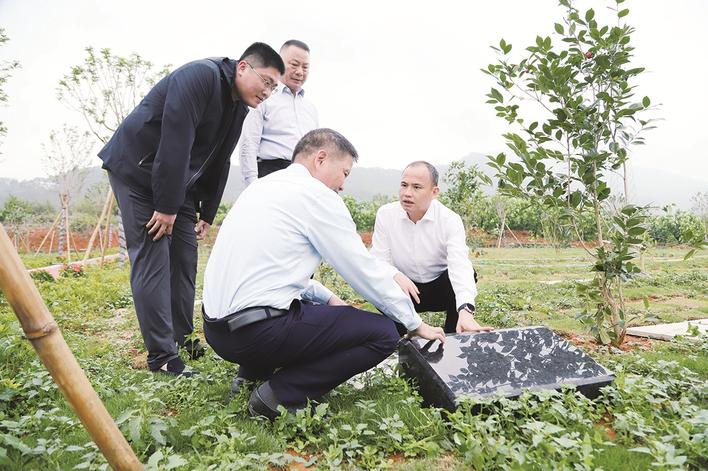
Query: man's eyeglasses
x=271 y=86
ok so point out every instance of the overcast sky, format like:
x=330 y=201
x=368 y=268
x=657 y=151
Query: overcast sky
x=400 y=79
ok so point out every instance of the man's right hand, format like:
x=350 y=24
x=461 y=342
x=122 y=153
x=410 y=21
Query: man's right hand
x=160 y=224
x=429 y=333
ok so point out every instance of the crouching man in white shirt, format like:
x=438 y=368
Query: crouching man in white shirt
x=261 y=308
x=425 y=243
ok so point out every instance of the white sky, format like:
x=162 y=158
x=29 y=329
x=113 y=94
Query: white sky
x=400 y=79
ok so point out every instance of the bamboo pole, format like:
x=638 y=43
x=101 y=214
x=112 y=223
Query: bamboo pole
x=41 y=330
x=56 y=221
x=108 y=228
x=97 y=229
x=51 y=242
x=76 y=248
x=512 y=233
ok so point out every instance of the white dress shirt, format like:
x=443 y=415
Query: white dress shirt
x=274 y=238
x=424 y=250
x=272 y=130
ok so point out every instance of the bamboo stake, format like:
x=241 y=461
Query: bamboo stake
x=65 y=204
x=512 y=233
x=51 y=228
x=97 y=229
x=76 y=248
x=44 y=334
x=108 y=227
x=51 y=242
x=501 y=229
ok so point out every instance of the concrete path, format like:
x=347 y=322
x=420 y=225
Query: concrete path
x=669 y=331
x=55 y=270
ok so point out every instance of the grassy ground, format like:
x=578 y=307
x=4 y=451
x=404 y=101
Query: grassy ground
x=655 y=415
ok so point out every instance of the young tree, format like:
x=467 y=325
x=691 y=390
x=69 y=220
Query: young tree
x=463 y=188
x=582 y=87
x=5 y=68
x=67 y=155
x=106 y=87
x=14 y=213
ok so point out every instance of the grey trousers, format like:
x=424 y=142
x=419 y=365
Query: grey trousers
x=162 y=273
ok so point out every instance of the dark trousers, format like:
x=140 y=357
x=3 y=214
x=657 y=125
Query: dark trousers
x=435 y=296
x=309 y=351
x=162 y=273
x=266 y=167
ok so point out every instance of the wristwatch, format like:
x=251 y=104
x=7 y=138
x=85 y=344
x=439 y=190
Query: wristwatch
x=469 y=307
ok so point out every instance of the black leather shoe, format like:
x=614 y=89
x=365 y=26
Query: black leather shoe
x=263 y=403
x=194 y=349
x=238 y=384
x=176 y=367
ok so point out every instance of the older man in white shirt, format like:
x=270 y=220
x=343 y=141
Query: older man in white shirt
x=425 y=243
x=261 y=308
x=271 y=131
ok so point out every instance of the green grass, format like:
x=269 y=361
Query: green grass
x=654 y=415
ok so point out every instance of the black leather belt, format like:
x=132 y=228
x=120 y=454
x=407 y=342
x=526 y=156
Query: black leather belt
x=277 y=159
x=242 y=318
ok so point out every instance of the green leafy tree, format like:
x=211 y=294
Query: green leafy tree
x=5 y=68
x=582 y=86
x=106 y=88
x=364 y=212
x=464 y=188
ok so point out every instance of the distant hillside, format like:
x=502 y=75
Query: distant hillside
x=648 y=185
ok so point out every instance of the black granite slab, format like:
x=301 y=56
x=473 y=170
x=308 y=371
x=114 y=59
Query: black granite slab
x=503 y=362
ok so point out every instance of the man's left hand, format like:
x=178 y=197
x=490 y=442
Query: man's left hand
x=467 y=323
x=201 y=229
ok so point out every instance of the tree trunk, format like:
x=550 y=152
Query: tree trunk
x=122 y=247
x=108 y=225
x=501 y=228
x=61 y=242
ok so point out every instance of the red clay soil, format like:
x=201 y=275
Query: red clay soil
x=366 y=238
x=588 y=344
x=30 y=238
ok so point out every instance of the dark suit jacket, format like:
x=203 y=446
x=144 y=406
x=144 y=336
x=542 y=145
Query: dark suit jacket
x=180 y=138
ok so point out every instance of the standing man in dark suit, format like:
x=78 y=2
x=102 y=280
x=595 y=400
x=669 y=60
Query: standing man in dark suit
x=167 y=161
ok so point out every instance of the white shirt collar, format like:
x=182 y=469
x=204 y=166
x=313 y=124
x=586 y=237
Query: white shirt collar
x=282 y=88
x=428 y=216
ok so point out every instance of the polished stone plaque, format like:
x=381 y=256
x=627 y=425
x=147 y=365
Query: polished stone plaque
x=503 y=362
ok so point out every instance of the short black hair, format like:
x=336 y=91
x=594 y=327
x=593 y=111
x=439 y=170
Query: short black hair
x=434 y=175
x=262 y=55
x=318 y=138
x=296 y=43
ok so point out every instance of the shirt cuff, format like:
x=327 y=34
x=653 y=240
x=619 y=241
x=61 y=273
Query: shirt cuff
x=414 y=323
x=316 y=292
x=464 y=299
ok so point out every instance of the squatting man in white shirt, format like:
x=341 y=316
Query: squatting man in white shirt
x=425 y=242
x=261 y=308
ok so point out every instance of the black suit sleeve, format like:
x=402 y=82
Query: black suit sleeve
x=187 y=98
x=209 y=207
